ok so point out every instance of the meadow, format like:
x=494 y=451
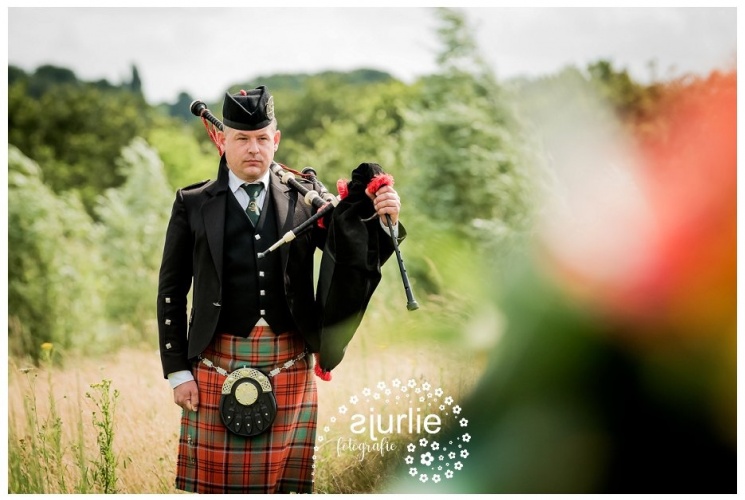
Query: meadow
x=107 y=424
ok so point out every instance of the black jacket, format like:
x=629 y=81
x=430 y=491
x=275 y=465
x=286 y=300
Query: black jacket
x=193 y=254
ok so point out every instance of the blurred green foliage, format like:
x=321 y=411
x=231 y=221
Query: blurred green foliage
x=469 y=166
x=132 y=218
x=75 y=133
x=78 y=282
x=53 y=263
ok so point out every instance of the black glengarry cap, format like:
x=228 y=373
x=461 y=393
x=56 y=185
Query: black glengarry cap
x=248 y=110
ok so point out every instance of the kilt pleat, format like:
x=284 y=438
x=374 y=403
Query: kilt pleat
x=213 y=460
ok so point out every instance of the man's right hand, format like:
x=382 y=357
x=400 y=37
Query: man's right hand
x=186 y=396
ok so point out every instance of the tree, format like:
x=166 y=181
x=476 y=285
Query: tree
x=53 y=264
x=48 y=76
x=464 y=144
x=133 y=218
x=633 y=102
x=136 y=84
x=334 y=127
x=186 y=159
x=16 y=74
x=181 y=107
x=75 y=134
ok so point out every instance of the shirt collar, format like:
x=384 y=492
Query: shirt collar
x=235 y=183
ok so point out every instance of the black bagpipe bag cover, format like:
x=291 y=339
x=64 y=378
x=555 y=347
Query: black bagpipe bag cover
x=350 y=267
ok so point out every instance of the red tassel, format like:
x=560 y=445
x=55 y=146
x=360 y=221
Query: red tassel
x=343 y=188
x=378 y=182
x=212 y=133
x=320 y=373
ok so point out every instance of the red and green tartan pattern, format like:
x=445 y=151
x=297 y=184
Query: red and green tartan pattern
x=213 y=460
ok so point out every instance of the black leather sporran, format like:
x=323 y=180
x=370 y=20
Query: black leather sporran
x=248 y=406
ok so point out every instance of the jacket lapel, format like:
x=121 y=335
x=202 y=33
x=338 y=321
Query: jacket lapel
x=213 y=216
x=284 y=206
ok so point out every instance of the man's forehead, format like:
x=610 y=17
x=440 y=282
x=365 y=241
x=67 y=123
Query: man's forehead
x=253 y=133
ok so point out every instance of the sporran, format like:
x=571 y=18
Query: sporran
x=248 y=406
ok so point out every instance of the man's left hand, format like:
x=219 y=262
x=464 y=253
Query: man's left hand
x=386 y=201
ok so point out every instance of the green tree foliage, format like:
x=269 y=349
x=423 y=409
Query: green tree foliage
x=16 y=74
x=181 y=108
x=54 y=264
x=333 y=121
x=186 y=159
x=334 y=127
x=464 y=145
x=76 y=282
x=298 y=82
x=633 y=101
x=73 y=130
x=48 y=77
x=133 y=218
x=136 y=84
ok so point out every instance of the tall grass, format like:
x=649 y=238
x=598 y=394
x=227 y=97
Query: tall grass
x=108 y=424
x=74 y=431
x=104 y=471
x=45 y=456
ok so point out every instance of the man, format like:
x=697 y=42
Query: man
x=246 y=311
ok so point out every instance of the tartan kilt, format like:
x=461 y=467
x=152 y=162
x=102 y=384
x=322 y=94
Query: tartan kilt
x=213 y=460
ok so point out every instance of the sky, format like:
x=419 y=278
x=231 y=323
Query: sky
x=203 y=51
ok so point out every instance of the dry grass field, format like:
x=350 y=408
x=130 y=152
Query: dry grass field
x=62 y=443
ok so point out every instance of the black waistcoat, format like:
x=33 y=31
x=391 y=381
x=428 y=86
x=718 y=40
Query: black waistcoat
x=251 y=287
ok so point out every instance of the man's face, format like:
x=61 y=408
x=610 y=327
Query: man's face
x=250 y=152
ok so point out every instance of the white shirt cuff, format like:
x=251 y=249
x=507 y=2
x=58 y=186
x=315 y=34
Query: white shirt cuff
x=178 y=378
x=384 y=225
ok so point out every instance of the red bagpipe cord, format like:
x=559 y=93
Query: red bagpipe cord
x=212 y=132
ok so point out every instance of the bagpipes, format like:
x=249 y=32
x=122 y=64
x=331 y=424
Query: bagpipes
x=343 y=267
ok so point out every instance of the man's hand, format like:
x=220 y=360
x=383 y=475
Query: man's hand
x=386 y=201
x=186 y=396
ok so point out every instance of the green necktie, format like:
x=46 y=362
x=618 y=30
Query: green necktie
x=252 y=210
